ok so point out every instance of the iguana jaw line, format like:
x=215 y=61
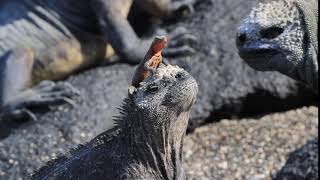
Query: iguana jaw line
x=256 y=54
x=253 y=53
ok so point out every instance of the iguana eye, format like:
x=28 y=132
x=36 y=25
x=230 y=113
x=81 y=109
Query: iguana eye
x=152 y=88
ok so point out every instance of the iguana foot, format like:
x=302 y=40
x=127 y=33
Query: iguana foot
x=182 y=7
x=45 y=94
x=180 y=43
x=48 y=92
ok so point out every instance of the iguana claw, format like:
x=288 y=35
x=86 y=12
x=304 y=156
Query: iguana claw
x=18 y=114
x=181 y=43
x=184 y=7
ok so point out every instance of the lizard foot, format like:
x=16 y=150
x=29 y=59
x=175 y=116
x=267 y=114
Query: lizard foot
x=180 y=43
x=45 y=94
x=182 y=7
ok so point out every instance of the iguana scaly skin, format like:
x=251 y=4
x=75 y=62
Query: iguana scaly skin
x=147 y=140
x=51 y=39
x=282 y=35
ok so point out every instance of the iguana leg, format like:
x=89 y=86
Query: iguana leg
x=181 y=42
x=167 y=8
x=117 y=30
x=119 y=33
x=179 y=6
x=16 y=96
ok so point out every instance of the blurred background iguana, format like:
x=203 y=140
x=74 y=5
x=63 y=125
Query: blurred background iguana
x=282 y=36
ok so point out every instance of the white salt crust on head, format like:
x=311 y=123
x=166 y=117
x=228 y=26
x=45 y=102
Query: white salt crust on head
x=163 y=72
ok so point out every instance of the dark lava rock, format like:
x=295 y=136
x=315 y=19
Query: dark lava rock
x=302 y=163
x=227 y=88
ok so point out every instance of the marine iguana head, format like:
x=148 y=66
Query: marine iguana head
x=281 y=35
x=170 y=90
x=163 y=101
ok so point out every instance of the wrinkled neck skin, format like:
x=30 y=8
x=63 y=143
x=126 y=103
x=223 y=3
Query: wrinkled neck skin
x=309 y=74
x=157 y=145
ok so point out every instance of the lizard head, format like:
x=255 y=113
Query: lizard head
x=272 y=37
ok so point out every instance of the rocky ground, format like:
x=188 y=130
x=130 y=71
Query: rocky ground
x=254 y=148
x=228 y=88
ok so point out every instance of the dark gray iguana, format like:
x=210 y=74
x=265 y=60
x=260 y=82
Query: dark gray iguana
x=147 y=140
x=282 y=35
x=51 y=39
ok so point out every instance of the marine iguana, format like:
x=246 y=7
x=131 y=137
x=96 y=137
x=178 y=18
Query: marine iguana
x=51 y=39
x=147 y=140
x=282 y=35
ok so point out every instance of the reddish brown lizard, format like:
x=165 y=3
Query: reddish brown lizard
x=151 y=61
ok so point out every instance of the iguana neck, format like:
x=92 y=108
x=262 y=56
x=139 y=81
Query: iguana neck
x=157 y=146
x=309 y=74
x=309 y=9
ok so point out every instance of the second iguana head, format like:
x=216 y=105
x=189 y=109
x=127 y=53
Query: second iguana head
x=281 y=35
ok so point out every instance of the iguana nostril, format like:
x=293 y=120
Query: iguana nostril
x=242 y=38
x=271 y=33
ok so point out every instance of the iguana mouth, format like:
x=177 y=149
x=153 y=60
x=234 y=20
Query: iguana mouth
x=257 y=53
